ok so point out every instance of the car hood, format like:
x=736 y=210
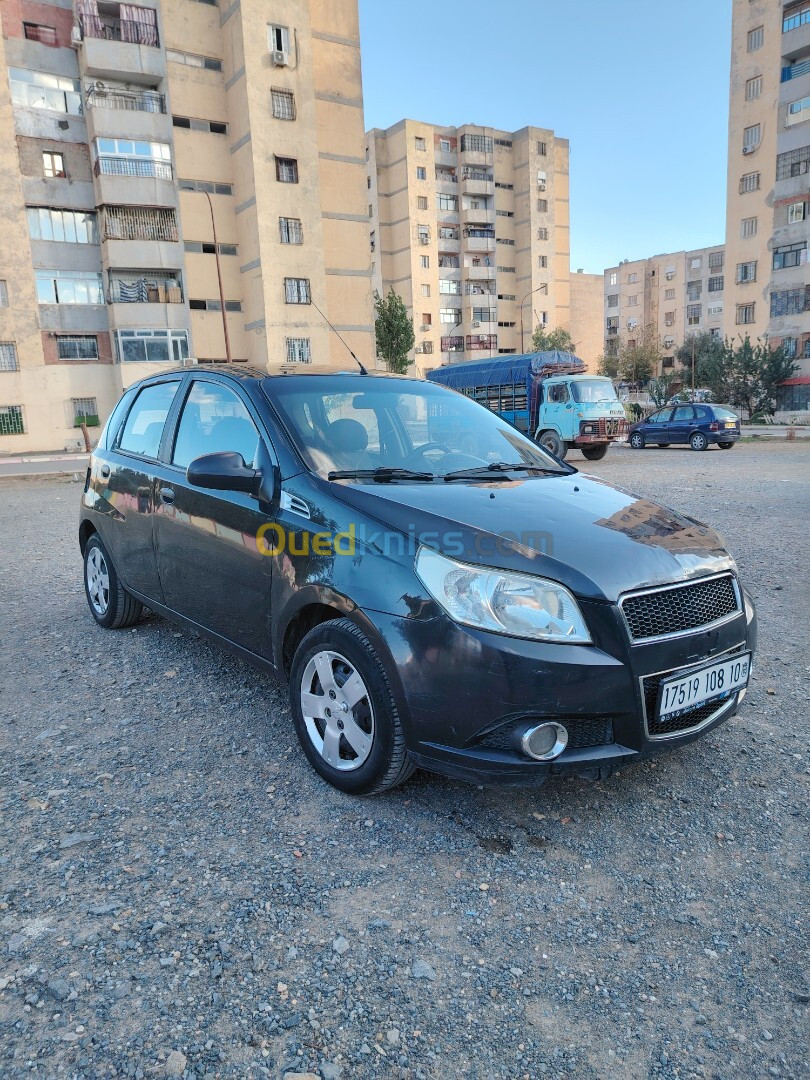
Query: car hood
x=597 y=539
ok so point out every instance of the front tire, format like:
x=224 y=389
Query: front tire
x=552 y=442
x=725 y=445
x=110 y=604
x=344 y=712
x=594 y=453
x=637 y=441
x=698 y=441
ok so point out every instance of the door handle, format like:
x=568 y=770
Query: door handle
x=166 y=494
x=105 y=471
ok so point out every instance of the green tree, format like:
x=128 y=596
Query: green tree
x=756 y=370
x=713 y=363
x=660 y=388
x=638 y=358
x=608 y=364
x=394 y=331
x=545 y=341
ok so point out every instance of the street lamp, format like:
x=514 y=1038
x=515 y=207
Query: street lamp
x=544 y=288
x=219 y=279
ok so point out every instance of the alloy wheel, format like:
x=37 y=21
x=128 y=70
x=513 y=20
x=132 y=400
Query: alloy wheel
x=337 y=710
x=98 y=581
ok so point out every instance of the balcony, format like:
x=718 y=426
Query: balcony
x=447 y=181
x=450 y=248
x=132 y=166
x=149 y=101
x=114 y=48
x=477 y=182
x=446 y=157
x=480 y=216
x=483 y=242
x=479 y=273
x=108 y=27
x=480 y=288
x=145 y=287
x=796 y=35
x=452 y=344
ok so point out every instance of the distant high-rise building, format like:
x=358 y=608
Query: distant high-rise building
x=160 y=161
x=666 y=296
x=768 y=204
x=470 y=225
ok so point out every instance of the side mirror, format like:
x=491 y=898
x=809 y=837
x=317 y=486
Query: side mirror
x=225 y=471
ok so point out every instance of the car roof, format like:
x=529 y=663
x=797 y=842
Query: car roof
x=246 y=372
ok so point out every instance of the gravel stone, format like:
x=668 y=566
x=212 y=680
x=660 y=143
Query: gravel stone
x=215 y=846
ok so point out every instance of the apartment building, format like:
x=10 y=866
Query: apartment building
x=768 y=216
x=667 y=296
x=587 y=302
x=182 y=182
x=470 y=225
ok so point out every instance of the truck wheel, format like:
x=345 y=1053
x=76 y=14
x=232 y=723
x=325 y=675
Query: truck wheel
x=552 y=442
x=595 y=453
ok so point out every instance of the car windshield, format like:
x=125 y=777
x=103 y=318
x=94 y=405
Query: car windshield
x=724 y=414
x=361 y=423
x=593 y=390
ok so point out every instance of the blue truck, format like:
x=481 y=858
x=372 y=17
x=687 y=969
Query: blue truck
x=548 y=395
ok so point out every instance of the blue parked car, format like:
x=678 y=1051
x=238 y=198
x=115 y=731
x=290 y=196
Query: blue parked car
x=697 y=425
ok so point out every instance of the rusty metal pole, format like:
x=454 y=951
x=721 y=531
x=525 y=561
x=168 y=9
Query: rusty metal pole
x=219 y=279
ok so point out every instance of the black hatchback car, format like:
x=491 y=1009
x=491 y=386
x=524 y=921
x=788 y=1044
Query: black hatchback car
x=695 y=425
x=436 y=588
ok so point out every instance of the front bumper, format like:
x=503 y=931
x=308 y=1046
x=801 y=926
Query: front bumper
x=463 y=693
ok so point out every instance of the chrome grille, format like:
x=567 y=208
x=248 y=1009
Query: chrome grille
x=680 y=608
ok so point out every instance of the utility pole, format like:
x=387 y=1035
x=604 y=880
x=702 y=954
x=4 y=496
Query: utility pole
x=693 y=367
x=531 y=292
x=219 y=279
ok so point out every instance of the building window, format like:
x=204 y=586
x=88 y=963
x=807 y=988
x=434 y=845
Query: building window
x=746 y=271
x=505 y=187
x=206 y=185
x=796 y=212
x=716 y=283
x=213 y=127
x=790 y=346
x=427 y=320
x=748 y=227
x=542 y=233
x=11 y=420
x=542 y=261
x=138 y=223
x=3 y=293
x=693 y=314
x=69 y=287
x=425 y=290
x=542 y=206
x=789 y=255
x=85 y=411
x=283 y=102
x=127 y=157
x=45 y=35
x=449 y=315
x=53 y=164
x=793 y=163
x=632 y=279
x=41 y=90
x=506 y=324
x=451 y=288
x=504 y=142
x=753 y=88
x=755 y=38
x=298 y=350
x=715 y=309
x=286 y=170
x=215 y=305
x=798 y=111
x=613 y=300
x=76 y=347
x=716 y=260
x=444 y=146
x=505 y=240
x=694 y=264
x=796 y=15
x=669 y=318
x=421 y=202
x=419 y=142
x=613 y=278
x=751 y=137
x=506 y=269
x=447 y=202
x=669 y=294
x=70 y=226
x=296 y=290
x=749 y=182
x=632 y=301
x=452 y=344
x=745 y=313
x=482 y=144
x=210 y=63
x=693 y=290
x=424 y=262
x=541 y=149
x=421 y=173
x=278 y=38
x=541 y=180
x=8 y=356
x=790 y=301
x=151 y=346
x=505 y=213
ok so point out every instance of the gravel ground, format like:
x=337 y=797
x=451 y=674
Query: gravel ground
x=181 y=895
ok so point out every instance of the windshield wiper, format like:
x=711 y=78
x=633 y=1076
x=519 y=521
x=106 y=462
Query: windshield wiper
x=383 y=475
x=497 y=469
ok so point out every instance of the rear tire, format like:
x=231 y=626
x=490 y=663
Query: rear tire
x=357 y=728
x=637 y=441
x=552 y=442
x=594 y=453
x=698 y=441
x=725 y=445
x=110 y=604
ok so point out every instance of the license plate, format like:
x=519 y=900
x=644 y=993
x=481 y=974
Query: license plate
x=730 y=423
x=685 y=692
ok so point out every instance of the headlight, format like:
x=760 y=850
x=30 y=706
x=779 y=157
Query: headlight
x=507 y=603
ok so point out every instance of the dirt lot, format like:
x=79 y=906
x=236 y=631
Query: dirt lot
x=180 y=894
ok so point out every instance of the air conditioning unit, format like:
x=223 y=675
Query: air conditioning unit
x=424 y=328
x=424 y=239
x=475 y=322
x=483 y=338
x=75 y=36
x=748 y=149
x=280 y=58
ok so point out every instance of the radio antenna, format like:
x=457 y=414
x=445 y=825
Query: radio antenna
x=359 y=364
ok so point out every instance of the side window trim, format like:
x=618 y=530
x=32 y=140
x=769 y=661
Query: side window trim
x=146 y=386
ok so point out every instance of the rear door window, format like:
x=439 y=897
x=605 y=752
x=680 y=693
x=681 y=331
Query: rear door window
x=143 y=429
x=683 y=412
x=214 y=419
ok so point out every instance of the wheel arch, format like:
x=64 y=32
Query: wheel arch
x=86 y=530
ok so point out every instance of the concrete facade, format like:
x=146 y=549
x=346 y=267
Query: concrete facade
x=669 y=296
x=470 y=225
x=587 y=302
x=130 y=135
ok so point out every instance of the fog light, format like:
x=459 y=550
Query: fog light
x=544 y=742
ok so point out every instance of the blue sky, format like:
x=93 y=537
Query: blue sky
x=639 y=88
